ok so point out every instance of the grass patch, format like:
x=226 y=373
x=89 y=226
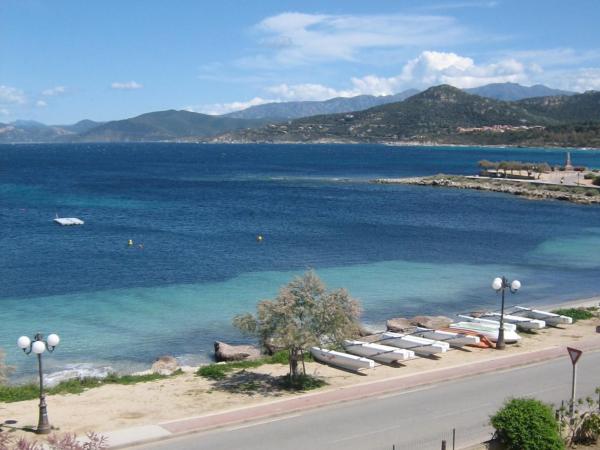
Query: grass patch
x=9 y=394
x=301 y=383
x=576 y=313
x=219 y=371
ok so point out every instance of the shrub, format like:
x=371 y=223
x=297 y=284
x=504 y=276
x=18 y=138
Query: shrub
x=589 y=176
x=575 y=313
x=527 y=424
x=596 y=181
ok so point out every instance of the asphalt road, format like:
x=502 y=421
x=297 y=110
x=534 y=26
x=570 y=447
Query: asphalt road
x=415 y=420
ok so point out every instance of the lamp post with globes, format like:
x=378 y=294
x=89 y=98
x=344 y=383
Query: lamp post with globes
x=38 y=346
x=500 y=284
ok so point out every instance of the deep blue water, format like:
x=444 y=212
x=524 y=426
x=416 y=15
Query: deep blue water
x=197 y=210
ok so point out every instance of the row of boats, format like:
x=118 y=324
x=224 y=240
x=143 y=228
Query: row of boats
x=480 y=331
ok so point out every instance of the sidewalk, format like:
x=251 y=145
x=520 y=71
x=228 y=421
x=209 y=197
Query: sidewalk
x=129 y=436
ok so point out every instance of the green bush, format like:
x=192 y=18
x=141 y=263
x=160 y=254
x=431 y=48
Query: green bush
x=575 y=313
x=527 y=424
x=596 y=181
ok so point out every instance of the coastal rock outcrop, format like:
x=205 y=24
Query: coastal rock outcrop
x=165 y=365
x=399 y=325
x=226 y=352
x=434 y=322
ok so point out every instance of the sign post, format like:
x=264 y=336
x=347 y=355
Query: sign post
x=574 y=354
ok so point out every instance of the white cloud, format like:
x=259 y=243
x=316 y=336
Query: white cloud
x=56 y=90
x=126 y=85
x=224 y=108
x=297 y=38
x=11 y=95
x=308 y=91
x=4 y=112
x=41 y=103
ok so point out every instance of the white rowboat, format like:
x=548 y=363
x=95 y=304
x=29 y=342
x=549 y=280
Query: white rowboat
x=490 y=322
x=490 y=332
x=524 y=323
x=454 y=339
x=417 y=344
x=549 y=317
x=378 y=352
x=343 y=360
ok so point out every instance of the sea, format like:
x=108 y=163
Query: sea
x=194 y=211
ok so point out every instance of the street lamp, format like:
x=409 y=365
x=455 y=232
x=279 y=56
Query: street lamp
x=38 y=346
x=500 y=284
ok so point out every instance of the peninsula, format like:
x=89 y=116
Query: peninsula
x=530 y=180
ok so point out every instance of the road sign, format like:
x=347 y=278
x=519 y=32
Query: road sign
x=574 y=354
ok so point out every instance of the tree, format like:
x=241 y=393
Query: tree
x=527 y=424
x=303 y=314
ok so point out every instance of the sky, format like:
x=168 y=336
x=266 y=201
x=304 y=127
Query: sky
x=64 y=60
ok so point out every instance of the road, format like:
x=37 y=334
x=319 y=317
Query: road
x=415 y=420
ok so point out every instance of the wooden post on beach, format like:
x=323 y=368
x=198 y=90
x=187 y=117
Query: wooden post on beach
x=444 y=445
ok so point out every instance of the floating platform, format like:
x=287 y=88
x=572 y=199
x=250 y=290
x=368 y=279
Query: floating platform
x=66 y=221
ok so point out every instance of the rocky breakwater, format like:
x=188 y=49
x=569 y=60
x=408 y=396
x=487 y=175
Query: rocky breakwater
x=530 y=190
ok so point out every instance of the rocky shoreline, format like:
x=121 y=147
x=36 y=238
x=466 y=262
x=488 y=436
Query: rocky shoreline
x=533 y=191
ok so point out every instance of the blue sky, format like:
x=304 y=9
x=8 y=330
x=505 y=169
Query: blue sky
x=62 y=60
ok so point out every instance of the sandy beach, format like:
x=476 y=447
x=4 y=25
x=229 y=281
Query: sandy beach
x=113 y=407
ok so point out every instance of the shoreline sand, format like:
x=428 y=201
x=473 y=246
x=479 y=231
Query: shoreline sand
x=113 y=407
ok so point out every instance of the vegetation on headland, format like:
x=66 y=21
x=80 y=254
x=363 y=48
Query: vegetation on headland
x=75 y=386
x=535 y=191
x=304 y=314
x=578 y=313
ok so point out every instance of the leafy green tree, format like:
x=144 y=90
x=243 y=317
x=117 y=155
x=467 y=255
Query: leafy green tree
x=302 y=315
x=527 y=424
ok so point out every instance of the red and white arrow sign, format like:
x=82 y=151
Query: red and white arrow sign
x=574 y=354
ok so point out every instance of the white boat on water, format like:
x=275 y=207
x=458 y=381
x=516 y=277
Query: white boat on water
x=378 y=352
x=65 y=221
x=525 y=323
x=549 y=317
x=454 y=339
x=489 y=331
x=490 y=322
x=343 y=360
x=417 y=344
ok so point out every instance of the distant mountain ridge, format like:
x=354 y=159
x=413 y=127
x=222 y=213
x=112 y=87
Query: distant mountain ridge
x=165 y=125
x=439 y=114
x=170 y=125
x=295 y=110
x=514 y=91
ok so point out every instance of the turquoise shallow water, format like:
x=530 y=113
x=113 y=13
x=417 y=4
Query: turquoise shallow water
x=197 y=209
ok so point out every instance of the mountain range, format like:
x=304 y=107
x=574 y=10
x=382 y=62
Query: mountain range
x=445 y=114
x=175 y=125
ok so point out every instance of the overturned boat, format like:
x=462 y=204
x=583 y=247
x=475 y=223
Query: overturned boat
x=455 y=339
x=378 y=352
x=417 y=344
x=487 y=330
x=524 y=323
x=343 y=360
x=549 y=317
x=490 y=322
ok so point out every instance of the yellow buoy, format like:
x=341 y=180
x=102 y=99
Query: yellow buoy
x=130 y=242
